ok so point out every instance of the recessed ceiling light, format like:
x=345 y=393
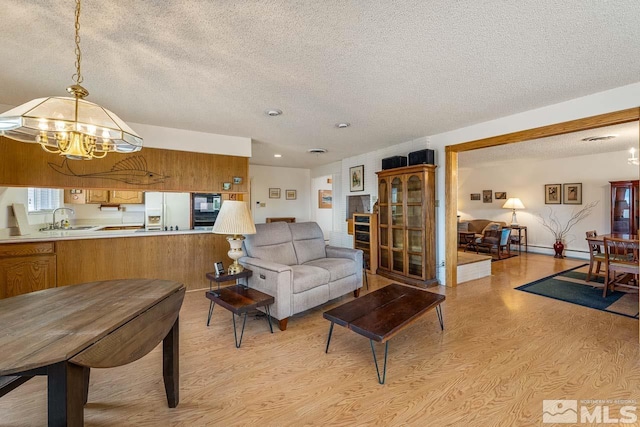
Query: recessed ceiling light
x=277 y=155
x=317 y=150
x=343 y=125
x=273 y=113
x=598 y=138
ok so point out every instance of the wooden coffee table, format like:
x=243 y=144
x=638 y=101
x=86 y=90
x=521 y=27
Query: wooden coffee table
x=380 y=315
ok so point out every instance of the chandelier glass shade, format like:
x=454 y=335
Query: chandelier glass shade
x=70 y=126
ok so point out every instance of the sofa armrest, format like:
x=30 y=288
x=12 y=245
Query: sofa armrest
x=338 y=252
x=255 y=263
x=273 y=279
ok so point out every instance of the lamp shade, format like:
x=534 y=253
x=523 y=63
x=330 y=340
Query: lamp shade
x=513 y=203
x=234 y=218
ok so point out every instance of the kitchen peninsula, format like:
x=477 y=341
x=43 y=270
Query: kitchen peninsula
x=57 y=258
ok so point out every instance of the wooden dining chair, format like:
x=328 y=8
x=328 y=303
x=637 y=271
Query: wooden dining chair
x=595 y=256
x=621 y=263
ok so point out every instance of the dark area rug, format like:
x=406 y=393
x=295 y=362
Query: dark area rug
x=571 y=286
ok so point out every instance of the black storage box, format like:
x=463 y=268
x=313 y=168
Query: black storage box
x=421 y=157
x=394 y=162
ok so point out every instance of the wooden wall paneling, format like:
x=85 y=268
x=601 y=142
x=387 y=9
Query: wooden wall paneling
x=184 y=258
x=152 y=169
x=451 y=169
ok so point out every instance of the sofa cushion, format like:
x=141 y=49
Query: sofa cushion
x=272 y=242
x=338 y=268
x=308 y=241
x=491 y=226
x=307 y=277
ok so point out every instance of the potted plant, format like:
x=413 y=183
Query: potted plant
x=559 y=229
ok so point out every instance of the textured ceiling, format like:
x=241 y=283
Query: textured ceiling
x=568 y=145
x=396 y=70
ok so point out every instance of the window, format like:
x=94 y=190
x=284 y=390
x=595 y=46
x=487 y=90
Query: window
x=43 y=199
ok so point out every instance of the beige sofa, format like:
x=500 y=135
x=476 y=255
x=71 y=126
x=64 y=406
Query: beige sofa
x=477 y=226
x=291 y=262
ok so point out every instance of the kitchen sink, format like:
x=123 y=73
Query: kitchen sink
x=80 y=227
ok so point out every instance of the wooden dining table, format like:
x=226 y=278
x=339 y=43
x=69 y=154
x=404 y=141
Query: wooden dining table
x=600 y=239
x=64 y=332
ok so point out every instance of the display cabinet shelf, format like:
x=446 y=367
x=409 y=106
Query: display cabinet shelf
x=365 y=237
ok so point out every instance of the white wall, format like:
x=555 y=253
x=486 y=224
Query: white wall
x=526 y=179
x=265 y=177
x=599 y=103
x=324 y=217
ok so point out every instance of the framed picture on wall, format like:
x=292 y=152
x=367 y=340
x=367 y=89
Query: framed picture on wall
x=501 y=195
x=572 y=194
x=291 y=194
x=356 y=178
x=487 y=196
x=552 y=193
x=325 y=200
x=476 y=196
x=274 y=193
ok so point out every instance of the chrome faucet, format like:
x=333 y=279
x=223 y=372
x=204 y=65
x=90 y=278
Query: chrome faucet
x=55 y=225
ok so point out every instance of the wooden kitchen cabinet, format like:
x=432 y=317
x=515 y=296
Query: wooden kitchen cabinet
x=75 y=196
x=97 y=196
x=26 y=267
x=117 y=196
x=114 y=196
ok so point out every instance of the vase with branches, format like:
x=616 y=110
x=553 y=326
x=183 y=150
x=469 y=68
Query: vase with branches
x=560 y=229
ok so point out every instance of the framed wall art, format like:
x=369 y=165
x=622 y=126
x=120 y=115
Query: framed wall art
x=274 y=193
x=552 y=194
x=356 y=178
x=572 y=194
x=476 y=196
x=291 y=194
x=325 y=200
x=501 y=195
x=487 y=196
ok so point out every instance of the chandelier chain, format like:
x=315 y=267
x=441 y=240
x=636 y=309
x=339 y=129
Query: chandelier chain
x=78 y=75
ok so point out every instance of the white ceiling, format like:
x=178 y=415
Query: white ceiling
x=396 y=70
x=555 y=147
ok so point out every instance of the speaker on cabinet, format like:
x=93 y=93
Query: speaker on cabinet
x=421 y=157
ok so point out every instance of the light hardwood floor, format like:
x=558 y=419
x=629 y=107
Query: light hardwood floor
x=502 y=352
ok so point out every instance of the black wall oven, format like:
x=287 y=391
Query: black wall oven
x=204 y=209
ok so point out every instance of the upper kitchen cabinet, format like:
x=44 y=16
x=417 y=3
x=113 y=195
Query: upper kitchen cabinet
x=97 y=196
x=77 y=196
x=118 y=196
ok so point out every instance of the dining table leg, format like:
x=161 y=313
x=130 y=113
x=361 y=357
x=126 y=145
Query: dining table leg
x=170 y=364
x=65 y=394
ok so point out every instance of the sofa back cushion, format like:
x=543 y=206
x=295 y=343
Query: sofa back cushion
x=272 y=242
x=478 y=225
x=308 y=241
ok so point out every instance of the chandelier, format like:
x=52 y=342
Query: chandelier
x=633 y=160
x=71 y=127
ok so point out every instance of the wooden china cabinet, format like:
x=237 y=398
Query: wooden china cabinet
x=406 y=223
x=624 y=207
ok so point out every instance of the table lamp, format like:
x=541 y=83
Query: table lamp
x=513 y=203
x=234 y=220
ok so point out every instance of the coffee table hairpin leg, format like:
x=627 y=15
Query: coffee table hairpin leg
x=439 y=313
x=375 y=361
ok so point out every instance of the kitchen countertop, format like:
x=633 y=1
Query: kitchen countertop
x=92 y=233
